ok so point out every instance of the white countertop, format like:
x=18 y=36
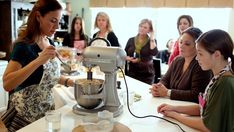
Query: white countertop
x=147 y=105
x=3 y=62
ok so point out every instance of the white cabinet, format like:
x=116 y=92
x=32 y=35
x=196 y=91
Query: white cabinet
x=3 y=93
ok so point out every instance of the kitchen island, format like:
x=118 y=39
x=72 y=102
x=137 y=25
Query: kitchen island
x=146 y=106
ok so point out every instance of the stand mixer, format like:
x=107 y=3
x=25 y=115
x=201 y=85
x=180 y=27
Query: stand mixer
x=108 y=59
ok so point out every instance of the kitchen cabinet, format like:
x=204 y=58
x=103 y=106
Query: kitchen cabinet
x=163 y=3
x=12 y=15
x=98 y=3
x=63 y=27
x=3 y=93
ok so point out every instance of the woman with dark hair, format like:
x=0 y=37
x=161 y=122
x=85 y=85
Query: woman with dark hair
x=183 y=22
x=216 y=107
x=33 y=70
x=165 y=54
x=77 y=37
x=184 y=78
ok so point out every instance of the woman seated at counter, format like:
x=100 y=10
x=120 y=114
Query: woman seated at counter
x=215 y=107
x=184 y=78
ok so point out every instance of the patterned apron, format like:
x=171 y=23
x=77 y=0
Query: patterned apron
x=32 y=102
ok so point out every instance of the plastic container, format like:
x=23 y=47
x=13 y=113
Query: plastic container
x=104 y=123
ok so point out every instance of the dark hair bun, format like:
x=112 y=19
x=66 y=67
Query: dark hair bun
x=193 y=31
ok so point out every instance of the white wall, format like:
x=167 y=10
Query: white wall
x=204 y=18
x=125 y=21
x=231 y=24
x=76 y=6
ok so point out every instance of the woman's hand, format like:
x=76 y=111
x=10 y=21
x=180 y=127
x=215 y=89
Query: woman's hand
x=131 y=59
x=151 y=35
x=135 y=60
x=153 y=90
x=171 y=114
x=165 y=107
x=152 y=40
x=176 y=112
x=48 y=53
x=128 y=58
x=168 y=110
x=159 y=90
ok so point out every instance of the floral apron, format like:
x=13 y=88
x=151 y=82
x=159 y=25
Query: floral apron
x=32 y=102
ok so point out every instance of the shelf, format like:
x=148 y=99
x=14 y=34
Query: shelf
x=61 y=30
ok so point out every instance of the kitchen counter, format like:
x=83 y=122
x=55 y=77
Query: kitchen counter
x=3 y=93
x=146 y=106
x=3 y=62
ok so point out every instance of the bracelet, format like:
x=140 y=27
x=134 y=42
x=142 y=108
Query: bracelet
x=169 y=93
x=65 y=82
x=152 y=40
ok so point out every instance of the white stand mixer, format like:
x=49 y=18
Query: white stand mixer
x=108 y=59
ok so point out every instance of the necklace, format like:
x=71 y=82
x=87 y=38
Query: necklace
x=214 y=79
x=203 y=98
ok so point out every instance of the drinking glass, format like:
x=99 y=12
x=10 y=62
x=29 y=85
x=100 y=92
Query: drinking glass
x=53 y=121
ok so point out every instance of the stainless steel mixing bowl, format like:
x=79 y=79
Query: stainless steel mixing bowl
x=88 y=87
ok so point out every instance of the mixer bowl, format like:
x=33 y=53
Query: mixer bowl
x=88 y=87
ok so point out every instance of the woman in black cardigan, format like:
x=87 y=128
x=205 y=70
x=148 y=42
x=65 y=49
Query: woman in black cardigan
x=102 y=22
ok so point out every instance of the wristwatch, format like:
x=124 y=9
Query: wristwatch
x=66 y=82
x=169 y=93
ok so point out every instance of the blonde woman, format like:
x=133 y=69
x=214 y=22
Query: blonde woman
x=102 y=22
x=140 y=50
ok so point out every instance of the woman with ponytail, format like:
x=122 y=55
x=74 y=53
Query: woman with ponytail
x=33 y=70
x=216 y=106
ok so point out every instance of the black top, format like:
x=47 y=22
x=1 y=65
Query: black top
x=24 y=54
x=163 y=55
x=111 y=37
x=67 y=41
